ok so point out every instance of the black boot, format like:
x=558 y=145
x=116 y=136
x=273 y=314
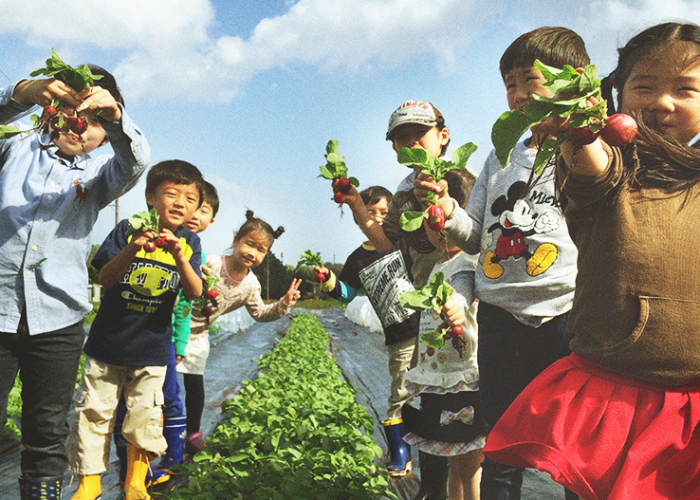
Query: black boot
x=433 y=477
x=40 y=488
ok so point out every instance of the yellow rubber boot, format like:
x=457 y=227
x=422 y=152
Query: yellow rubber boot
x=89 y=488
x=138 y=461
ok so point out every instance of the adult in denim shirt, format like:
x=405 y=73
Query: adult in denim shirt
x=51 y=191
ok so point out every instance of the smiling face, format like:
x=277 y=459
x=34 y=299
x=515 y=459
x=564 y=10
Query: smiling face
x=666 y=91
x=175 y=203
x=251 y=249
x=202 y=218
x=70 y=144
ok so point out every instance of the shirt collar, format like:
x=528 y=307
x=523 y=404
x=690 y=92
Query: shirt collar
x=47 y=145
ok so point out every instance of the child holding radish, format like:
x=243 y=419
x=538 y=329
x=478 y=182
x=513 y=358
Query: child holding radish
x=130 y=339
x=384 y=278
x=527 y=262
x=175 y=420
x=237 y=286
x=449 y=422
x=53 y=183
x=620 y=417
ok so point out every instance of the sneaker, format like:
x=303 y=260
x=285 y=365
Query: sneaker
x=194 y=443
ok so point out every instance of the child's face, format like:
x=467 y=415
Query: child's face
x=175 y=203
x=521 y=83
x=666 y=90
x=202 y=218
x=415 y=135
x=70 y=144
x=251 y=249
x=378 y=211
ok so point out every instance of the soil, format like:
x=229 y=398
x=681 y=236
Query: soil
x=361 y=355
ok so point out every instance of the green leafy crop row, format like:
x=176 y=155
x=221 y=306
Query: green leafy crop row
x=294 y=432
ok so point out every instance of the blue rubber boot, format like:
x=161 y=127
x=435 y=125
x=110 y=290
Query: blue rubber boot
x=174 y=432
x=399 y=452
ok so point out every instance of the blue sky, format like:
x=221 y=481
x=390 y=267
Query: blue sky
x=251 y=91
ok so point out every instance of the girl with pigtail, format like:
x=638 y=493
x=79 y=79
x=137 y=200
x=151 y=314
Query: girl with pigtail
x=620 y=417
x=237 y=286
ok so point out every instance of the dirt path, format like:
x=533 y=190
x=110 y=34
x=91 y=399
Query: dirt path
x=362 y=357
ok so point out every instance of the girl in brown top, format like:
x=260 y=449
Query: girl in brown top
x=620 y=418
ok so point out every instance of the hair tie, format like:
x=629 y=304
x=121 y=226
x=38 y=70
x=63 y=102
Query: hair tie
x=612 y=80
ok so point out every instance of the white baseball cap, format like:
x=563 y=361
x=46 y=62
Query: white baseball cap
x=421 y=112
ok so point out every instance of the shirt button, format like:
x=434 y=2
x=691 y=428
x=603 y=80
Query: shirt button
x=52 y=184
x=49 y=197
x=34 y=248
x=41 y=221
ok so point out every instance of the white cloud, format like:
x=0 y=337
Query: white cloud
x=168 y=46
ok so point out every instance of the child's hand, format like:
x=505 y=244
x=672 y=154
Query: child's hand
x=321 y=269
x=173 y=246
x=290 y=298
x=352 y=196
x=178 y=358
x=425 y=184
x=42 y=92
x=141 y=238
x=101 y=102
x=453 y=312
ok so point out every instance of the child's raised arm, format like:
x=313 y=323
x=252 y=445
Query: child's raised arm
x=372 y=230
x=191 y=282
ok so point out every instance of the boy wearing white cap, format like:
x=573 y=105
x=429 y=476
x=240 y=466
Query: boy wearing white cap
x=414 y=124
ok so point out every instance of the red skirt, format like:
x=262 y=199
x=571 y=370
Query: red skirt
x=602 y=435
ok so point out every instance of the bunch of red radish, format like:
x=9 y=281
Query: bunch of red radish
x=210 y=295
x=152 y=245
x=618 y=130
x=341 y=187
x=60 y=121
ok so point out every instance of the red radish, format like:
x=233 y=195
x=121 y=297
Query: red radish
x=76 y=124
x=619 y=130
x=50 y=110
x=457 y=329
x=149 y=246
x=582 y=136
x=207 y=311
x=343 y=185
x=162 y=242
x=339 y=197
x=436 y=218
x=430 y=351
x=579 y=71
x=320 y=277
x=212 y=294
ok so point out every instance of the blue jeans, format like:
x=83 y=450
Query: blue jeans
x=510 y=356
x=48 y=367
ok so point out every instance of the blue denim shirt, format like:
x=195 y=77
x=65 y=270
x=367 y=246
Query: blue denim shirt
x=48 y=207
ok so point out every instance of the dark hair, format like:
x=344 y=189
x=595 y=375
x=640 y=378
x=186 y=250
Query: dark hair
x=211 y=196
x=655 y=159
x=552 y=45
x=373 y=195
x=177 y=172
x=252 y=223
x=107 y=82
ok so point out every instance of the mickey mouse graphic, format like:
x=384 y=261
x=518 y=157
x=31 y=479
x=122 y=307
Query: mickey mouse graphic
x=516 y=220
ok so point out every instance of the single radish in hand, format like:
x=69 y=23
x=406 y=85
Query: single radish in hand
x=207 y=311
x=339 y=197
x=320 y=277
x=619 y=130
x=212 y=294
x=161 y=242
x=149 y=246
x=436 y=218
